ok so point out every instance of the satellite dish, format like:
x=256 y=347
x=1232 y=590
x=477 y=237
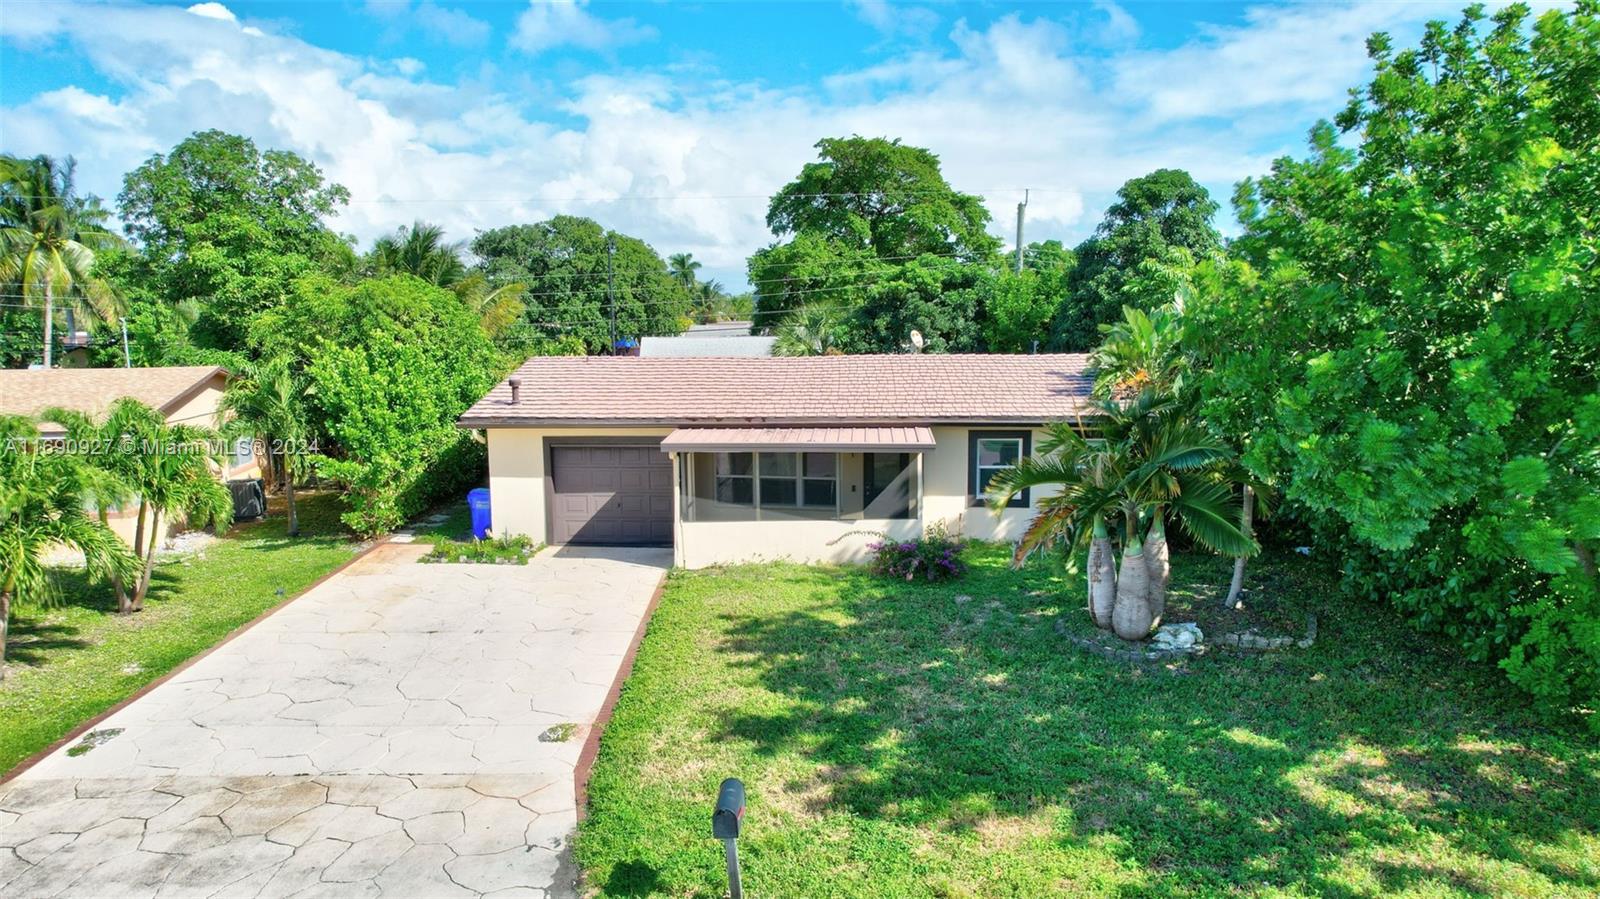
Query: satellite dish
x=916 y=339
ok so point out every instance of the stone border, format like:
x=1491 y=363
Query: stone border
x=1253 y=641
x=591 y=741
x=89 y=724
x=1121 y=654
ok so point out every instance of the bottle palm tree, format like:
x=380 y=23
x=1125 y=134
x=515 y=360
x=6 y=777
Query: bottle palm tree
x=1149 y=459
x=42 y=498
x=682 y=267
x=48 y=238
x=267 y=404
x=419 y=250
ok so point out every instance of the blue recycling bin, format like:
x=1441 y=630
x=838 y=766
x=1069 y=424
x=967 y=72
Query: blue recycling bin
x=478 y=504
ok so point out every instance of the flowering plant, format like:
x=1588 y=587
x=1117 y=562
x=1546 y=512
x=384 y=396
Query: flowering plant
x=935 y=556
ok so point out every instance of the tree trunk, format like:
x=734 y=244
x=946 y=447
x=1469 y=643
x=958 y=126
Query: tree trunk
x=149 y=561
x=116 y=579
x=138 y=553
x=1158 y=565
x=1102 y=577
x=1130 y=617
x=288 y=493
x=5 y=626
x=49 y=319
x=1245 y=515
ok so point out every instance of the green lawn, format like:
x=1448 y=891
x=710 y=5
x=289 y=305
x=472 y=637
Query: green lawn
x=77 y=659
x=903 y=741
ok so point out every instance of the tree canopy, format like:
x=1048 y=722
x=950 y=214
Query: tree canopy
x=563 y=263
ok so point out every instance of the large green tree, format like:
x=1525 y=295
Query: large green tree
x=1415 y=351
x=866 y=207
x=565 y=266
x=1157 y=229
x=230 y=227
x=419 y=250
x=389 y=363
x=49 y=236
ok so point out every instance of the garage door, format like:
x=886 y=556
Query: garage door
x=618 y=495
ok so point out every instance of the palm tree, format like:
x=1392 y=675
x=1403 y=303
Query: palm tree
x=682 y=267
x=497 y=308
x=48 y=238
x=811 y=330
x=421 y=251
x=1143 y=351
x=177 y=474
x=268 y=404
x=708 y=303
x=42 y=498
x=1149 y=458
x=102 y=446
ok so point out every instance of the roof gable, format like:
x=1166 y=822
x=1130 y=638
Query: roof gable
x=94 y=390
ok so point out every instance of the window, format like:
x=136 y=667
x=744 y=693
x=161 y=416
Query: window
x=989 y=452
x=760 y=486
x=888 y=485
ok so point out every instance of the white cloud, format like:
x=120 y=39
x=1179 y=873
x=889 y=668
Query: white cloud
x=1120 y=26
x=554 y=23
x=890 y=19
x=683 y=160
x=213 y=11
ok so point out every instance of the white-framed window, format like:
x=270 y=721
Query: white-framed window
x=735 y=478
x=989 y=453
x=805 y=480
x=737 y=486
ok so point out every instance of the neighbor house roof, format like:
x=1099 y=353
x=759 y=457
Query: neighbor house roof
x=93 y=390
x=698 y=345
x=833 y=390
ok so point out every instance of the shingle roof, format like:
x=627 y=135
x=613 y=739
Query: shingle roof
x=888 y=389
x=93 y=390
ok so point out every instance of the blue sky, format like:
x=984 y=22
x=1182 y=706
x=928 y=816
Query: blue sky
x=675 y=121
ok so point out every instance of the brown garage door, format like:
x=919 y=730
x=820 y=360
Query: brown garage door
x=618 y=495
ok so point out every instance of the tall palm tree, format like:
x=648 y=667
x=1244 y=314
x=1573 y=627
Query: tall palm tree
x=42 y=498
x=811 y=330
x=419 y=250
x=48 y=238
x=268 y=404
x=1149 y=458
x=682 y=267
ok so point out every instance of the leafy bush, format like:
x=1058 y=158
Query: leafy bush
x=1409 y=344
x=933 y=557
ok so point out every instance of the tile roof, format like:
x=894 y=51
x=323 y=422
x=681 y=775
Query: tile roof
x=93 y=390
x=832 y=439
x=888 y=389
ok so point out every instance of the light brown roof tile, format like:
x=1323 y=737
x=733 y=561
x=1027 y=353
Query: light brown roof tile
x=887 y=389
x=93 y=390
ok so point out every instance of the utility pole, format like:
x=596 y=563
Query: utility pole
x=127 y=357
x=611 y=286
x=1021 y=208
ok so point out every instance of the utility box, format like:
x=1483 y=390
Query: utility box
x=249 y=498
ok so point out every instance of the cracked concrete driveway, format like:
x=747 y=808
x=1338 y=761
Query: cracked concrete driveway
x=390 y=733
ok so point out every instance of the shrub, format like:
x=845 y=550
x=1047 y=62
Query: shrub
x=513 y=550
x=933 y=557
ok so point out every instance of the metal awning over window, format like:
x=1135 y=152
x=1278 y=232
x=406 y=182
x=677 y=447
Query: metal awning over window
x=871 y=439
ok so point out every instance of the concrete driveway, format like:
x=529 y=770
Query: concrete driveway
x=400 y=730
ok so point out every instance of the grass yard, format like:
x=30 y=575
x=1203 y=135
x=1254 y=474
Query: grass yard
x=72 y=661
x=907 y=741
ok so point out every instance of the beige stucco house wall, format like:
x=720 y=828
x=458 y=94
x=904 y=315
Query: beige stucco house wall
x=518 y=459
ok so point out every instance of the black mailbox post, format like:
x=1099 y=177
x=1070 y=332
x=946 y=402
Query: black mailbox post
x=725 y=821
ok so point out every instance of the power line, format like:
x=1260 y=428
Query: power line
x=652 y=198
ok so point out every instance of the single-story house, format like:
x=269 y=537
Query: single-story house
x=184 y=394
x=738 y=459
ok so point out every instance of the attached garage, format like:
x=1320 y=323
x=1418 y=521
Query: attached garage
x=614 y=494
